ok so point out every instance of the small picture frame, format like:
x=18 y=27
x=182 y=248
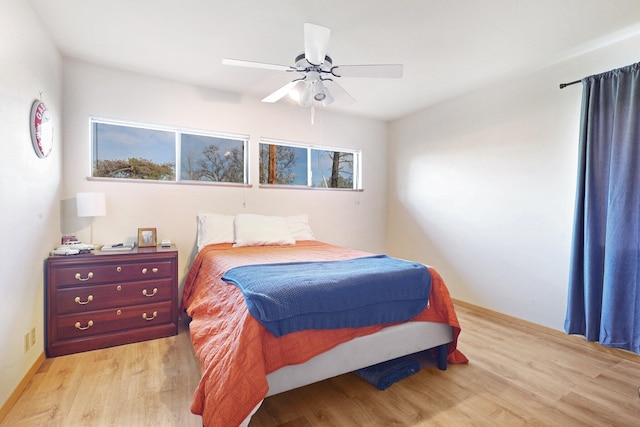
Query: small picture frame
x=147 y=237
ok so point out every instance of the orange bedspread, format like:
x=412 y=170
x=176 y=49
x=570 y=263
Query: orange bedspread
x=236 y=352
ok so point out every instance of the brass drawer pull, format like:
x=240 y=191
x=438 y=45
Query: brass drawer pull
x=89 y=324
x=144 y=271
x=119 y=288
x=78 y=276
x=144 y=316
x=144 y=292
x=89 y=299
x=154 y=269
x=119 y=269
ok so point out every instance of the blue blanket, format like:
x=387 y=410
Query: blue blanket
x=359 y=292
x=385 y=374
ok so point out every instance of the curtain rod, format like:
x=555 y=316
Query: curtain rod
x=563 y=85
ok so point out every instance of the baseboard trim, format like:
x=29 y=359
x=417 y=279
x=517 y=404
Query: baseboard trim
x=580 y=340
x=13 y=398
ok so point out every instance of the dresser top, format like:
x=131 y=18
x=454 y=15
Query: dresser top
x=135 y=251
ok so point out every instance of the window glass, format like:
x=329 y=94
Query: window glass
x=332 y=169
x=283 y=163
x=124 y=150
x=133 y=152
x=207 y=158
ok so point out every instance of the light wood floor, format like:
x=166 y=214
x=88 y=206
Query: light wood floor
x=518 y=375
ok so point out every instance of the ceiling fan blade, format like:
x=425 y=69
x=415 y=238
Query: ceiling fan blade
x=382 y=70
x=280 y=93
x=252 y=64
x=339 y=94
x=316 y=40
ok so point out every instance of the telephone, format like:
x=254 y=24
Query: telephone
x=119 y=246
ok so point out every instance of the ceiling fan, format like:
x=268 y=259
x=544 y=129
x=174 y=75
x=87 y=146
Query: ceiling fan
x=315 y=72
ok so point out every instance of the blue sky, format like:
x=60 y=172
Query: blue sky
x=123 y=142
x=194 y=144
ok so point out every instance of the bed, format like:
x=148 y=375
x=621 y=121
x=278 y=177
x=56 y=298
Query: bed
x=242 y=362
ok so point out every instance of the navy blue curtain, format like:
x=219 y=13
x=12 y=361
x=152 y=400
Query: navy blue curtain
x=604 y=278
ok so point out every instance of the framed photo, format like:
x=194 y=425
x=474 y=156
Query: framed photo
x=147 y=237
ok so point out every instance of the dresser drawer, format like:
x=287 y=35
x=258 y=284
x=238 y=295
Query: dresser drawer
x=78 y=299
x=110 y=272
x=81 y=325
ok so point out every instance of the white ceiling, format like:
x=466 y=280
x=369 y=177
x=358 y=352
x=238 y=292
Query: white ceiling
x=448 y=47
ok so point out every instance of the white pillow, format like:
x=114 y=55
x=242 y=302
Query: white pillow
x=261 y=230
x=299 y=227
x=214 y=228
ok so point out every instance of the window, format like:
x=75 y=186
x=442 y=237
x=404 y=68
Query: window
x=148 y=152
x=283 y=163
x=332 y=169
x=210 y=158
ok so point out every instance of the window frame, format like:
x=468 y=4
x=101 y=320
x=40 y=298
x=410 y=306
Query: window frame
x=357 y=164
x=177 y=151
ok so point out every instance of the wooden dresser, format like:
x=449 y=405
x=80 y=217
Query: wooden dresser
x=103 y=299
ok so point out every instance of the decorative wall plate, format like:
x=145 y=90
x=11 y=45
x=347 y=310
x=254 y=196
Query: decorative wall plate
x=41 y=129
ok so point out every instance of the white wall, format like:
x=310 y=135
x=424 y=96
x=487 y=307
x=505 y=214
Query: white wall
x=482 y=187
x=29 y=186
x=356 y=219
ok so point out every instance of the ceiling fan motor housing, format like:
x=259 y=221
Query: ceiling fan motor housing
x=301 y=62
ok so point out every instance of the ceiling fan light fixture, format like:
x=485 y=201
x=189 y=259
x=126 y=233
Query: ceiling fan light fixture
x=319 y=93
x=305 y=101
x=297 y=91
x=301 y=93
x=305 y=97
x=328 y=99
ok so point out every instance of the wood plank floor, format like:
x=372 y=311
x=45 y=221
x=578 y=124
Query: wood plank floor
x=518 y=375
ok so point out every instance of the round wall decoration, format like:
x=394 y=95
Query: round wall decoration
x=41 y=129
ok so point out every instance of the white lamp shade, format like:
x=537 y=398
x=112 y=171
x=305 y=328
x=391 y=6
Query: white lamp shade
x=328 y=99
x=318 y=90
x=91 y=204
x=297 y=92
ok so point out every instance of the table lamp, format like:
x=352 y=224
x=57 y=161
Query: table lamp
x=91 y=205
